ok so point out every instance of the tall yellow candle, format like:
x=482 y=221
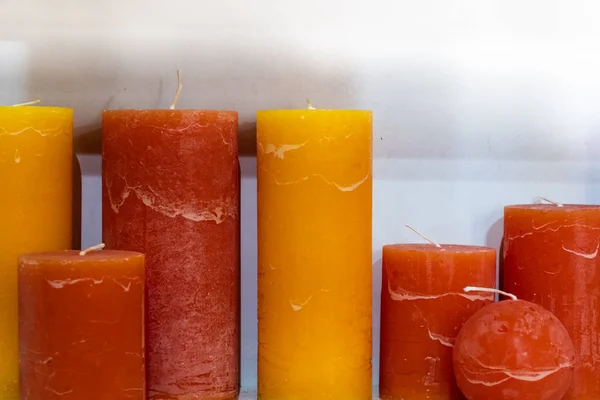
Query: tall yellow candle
x=314 y=254
x=35 y=208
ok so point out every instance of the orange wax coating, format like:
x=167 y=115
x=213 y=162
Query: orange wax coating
x=36 y=161
x=81 y=326
x=513 y=349
x=551 y=259
x=171 y=191
x=314 y=254
x=423 y=307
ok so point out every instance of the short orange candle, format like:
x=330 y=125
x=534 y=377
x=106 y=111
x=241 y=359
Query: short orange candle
x=314 y=254
x=551 y=259
x=423 y=307
x=81 y=326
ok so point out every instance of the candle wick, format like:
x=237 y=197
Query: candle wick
x=489 y=290
x=29 y=103
x=310 y=106
x=93 y=248
x=550 y=201
x=423 y=236
x=178 y=92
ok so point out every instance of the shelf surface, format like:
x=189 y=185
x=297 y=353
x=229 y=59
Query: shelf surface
x=251 y=395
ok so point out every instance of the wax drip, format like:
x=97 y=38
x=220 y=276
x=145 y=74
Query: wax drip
x=423 y=236
x=29 y=103
x=178 y=92
x=93 y=248
x=550 y=201
x=489 y=290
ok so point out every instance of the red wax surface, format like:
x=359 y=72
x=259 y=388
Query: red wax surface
x=81 y=326
x=551 y=259
x=170 y=190
x=513 y=350
x=423 y=307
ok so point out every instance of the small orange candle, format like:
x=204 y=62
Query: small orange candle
x=423 y=307
x=314 y=254
x=81 y=326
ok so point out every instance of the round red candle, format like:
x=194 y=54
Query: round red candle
x=513 y=349
x=551 y=259
x=170 y=190
x=81 y=326
x=423 y=307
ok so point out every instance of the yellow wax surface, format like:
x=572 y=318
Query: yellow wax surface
x=314 y=254
x=35 y=208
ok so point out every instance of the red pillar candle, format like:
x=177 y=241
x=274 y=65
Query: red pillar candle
x=551 y=258
x=170 y=190
x=81 y=326
x=423 y=307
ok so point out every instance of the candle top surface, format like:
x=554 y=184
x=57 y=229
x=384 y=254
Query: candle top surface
x=167 y=111
x=73 y=256
x=27 y=110
x=295 y=112
x=165 y=118
x=553 y=207
x=427 y=247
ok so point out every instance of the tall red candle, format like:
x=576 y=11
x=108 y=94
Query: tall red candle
x=423 y=307
x=551 y=258
x=170 y=190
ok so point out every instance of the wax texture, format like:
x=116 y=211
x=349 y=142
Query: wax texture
x=36 y=161
x=513 y=349
x=171 y=191
x=81 y=326
x=314 y=254
x=423 y=308
x=551 y=259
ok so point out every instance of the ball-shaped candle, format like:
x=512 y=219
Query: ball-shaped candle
x=513 y=349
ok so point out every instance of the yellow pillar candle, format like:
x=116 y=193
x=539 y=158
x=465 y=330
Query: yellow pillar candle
x=35 y=208
x=314 y=254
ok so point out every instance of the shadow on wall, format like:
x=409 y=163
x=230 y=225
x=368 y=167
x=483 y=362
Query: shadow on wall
x=137 y=74
x=377 y=266
x=481 y=127
x=77 y=195
x=593 y=171
x=494 y=239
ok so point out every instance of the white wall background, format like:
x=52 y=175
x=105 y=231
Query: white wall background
x=477 y=103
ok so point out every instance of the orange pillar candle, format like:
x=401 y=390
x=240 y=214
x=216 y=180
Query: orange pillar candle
x=314 y=254
x=423 y=307
x=81 y=325
x=551 y=258
x=36 y=156
x=170 y=190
